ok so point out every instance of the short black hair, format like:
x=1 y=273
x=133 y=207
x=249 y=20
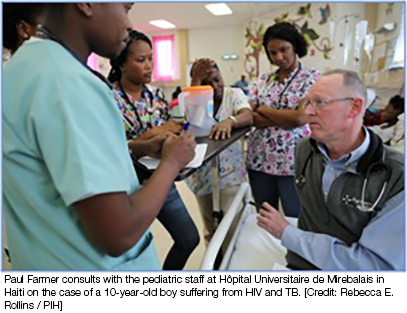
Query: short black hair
x=115 y=73
x=398 y=103
x=287 y=32
x=13 y=13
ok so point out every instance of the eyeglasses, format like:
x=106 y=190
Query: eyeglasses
x=319 y=104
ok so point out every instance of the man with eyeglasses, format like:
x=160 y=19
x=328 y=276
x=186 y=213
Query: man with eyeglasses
x=350 y=185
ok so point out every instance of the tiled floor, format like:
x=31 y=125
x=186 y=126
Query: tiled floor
x=163 y=241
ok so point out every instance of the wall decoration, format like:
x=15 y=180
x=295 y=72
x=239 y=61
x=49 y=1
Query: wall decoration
x=325 y=14
x=254 y=33
x=389 y=9
x=310 y=21
x=301 y=21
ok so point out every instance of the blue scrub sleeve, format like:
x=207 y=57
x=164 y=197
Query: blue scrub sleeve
x=80 y=134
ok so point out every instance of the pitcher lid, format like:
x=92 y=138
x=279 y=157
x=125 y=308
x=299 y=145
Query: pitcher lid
x=198 y=88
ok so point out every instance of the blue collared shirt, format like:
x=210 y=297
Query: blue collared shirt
x=346 y=163
x=382 y=243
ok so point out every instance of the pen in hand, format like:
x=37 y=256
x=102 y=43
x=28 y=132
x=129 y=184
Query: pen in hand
x=257 y=205
x=186 y=126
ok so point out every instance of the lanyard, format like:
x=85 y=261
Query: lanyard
x=45 y=33
x=280 y=96
x=131 y=103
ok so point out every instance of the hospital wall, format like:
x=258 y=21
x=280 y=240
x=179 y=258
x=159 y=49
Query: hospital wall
x=334 y=47
x=217 y=42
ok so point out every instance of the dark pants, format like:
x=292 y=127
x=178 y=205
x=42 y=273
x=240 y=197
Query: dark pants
x=175 y=218
x=272 y=188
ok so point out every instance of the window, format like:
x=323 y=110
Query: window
x=163 y=47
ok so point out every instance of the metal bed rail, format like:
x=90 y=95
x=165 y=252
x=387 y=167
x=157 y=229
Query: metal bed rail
x=239 y=204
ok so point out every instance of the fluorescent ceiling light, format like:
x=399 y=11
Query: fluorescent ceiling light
x=162 y=24
x=218 y=9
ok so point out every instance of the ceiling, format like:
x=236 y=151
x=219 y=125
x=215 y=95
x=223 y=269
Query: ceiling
x=195 y=15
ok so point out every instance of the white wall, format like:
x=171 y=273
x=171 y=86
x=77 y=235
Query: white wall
x=213 y=43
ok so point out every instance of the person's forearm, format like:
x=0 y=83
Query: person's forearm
x=144 y=206
x=168 y=127
x=139 y=148
x=284 y=118
x=243 y=118
x=115 y=222
x=260 y=121
x=147 y=202
x=152 y=132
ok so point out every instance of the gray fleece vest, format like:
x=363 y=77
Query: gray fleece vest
x=341 y=216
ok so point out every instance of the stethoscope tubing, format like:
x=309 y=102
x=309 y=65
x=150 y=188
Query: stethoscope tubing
x=301 y=180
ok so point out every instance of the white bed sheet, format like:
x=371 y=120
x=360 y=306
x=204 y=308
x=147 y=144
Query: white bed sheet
x=256 y=249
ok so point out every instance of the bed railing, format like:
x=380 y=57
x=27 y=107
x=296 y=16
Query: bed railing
x=239 y=204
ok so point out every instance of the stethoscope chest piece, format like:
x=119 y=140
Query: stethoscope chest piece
x=300 y=181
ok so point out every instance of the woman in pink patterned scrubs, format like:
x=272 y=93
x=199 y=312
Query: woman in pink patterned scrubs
x=279 y=119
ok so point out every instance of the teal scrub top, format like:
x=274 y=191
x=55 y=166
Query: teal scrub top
x=63 y=141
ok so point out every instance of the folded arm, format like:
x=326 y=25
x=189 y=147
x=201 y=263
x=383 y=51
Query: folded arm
x=284 y=118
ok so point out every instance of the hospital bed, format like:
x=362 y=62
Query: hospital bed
x=251 y=247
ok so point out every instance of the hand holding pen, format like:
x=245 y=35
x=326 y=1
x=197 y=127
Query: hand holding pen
x=180 y=150
x=258 y=206
x=270 y=219
x=185 y=127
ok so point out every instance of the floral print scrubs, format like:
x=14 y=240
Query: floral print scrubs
x=140 y=116
x=232 y=169
x=271 y=149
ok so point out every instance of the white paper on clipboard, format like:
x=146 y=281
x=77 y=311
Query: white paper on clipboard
x=200 y=151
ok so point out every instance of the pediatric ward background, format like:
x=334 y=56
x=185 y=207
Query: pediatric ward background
x=367 y=38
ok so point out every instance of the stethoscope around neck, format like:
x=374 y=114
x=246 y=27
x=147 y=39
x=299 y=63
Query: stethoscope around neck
x=282 y=93
x=301 y=180
x=363 y=207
